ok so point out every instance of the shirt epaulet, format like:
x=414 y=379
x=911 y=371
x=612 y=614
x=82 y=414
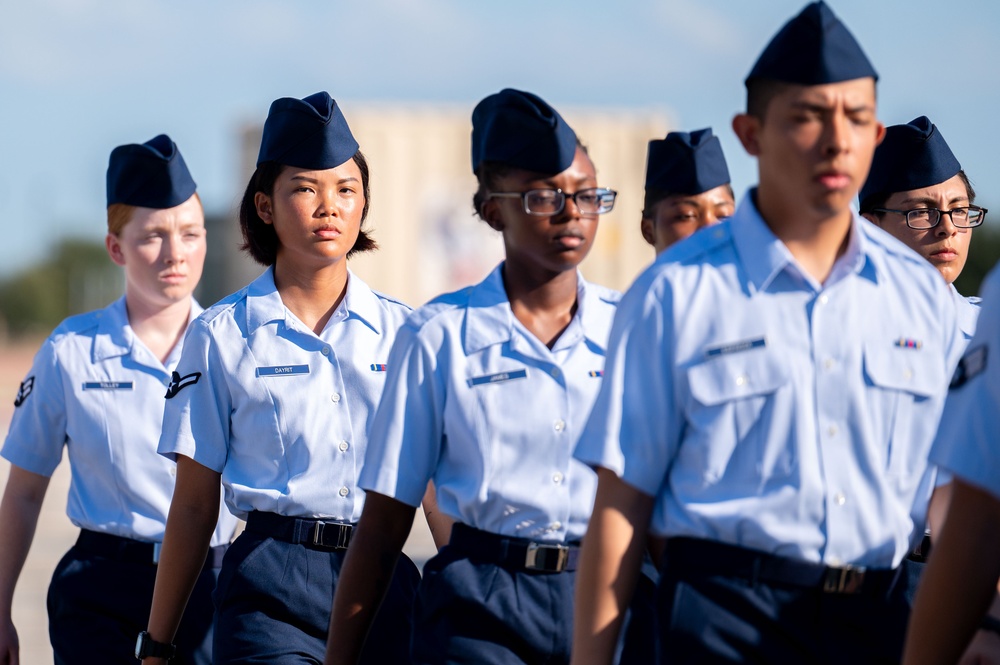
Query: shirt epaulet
x=443 y=303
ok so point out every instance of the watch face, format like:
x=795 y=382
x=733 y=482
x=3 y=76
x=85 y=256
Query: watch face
x=138 y=644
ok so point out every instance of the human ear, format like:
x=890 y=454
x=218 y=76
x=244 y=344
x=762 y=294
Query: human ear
x=646 y=228
x=747 y=129
x=262 y=202
x=871 y=217
x=114 y=247
x=492 y=215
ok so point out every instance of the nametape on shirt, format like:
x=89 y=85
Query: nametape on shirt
x=499 y=377
x=972 y=363
x=108 y=385
x=735 y=347
x=282 y=370
x=22 y=393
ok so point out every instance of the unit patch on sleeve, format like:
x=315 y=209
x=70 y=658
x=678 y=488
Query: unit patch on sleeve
x=22 y=393
x=178 y=382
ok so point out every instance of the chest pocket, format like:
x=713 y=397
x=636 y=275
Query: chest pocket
x=729 y=417
x=903 y=382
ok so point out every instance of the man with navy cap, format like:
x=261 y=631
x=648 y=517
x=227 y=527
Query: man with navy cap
x=796 y=358
x=687 y=187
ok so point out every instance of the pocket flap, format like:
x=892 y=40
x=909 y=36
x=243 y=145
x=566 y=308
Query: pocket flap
x=915 y=371
x=734 y=376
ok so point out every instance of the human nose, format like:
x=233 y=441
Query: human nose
x=946 y=227
x=327 y=203
x=173 y=249
x=835 y=136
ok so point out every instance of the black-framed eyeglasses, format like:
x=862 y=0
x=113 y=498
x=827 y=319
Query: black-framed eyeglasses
x=593 y=201
x=927 y=218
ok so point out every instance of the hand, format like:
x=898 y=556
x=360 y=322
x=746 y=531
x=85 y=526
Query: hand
x=10 y=648
x=984 y=649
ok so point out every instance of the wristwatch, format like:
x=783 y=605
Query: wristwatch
x=147 y=647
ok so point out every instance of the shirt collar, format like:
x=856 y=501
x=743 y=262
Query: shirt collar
x=490 y=320
x=114 y=334
x=264 y=304
x=764 y=256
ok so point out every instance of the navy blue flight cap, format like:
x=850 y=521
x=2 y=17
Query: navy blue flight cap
x=149 y=175
x=518 y=129
x=309 y=133
x=911 y=156
x=814 y=48
x=686 y=163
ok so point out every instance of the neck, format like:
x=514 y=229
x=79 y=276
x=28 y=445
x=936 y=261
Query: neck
x=311 y=295
x=816 y=238
x=159 y=328
x=544 y=302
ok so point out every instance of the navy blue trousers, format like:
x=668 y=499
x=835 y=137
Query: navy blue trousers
x=98 y=605
x=274 y=598
x=706 y=618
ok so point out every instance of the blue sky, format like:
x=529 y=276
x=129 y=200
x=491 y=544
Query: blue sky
x=78 y=77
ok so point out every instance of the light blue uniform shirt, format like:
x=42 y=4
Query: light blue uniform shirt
x=765 y=410
x=966 y=444
x=480 y=405
x=282 y=413
x=968 y=312
x=96 y=389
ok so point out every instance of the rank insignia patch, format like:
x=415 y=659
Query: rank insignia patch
x=972 y=363
x=179 y=383
x=22 y=393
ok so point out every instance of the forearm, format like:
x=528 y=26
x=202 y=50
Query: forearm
x=960 y=579
x=609 y=567
x=366 y=574
x=439 y=523
x=194 y=512
x=19 y=510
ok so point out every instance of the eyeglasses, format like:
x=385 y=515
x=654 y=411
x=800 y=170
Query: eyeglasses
x=928 y=218
x=594 y=201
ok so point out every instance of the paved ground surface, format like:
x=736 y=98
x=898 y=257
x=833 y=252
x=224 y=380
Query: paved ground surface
x=56 y=534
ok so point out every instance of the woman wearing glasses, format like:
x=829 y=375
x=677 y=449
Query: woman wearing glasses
x=917 y=191
x=487 y=391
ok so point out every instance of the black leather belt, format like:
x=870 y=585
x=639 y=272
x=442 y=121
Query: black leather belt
x=120 y=548
x=514 y=553
x=694 y=555
x=314 y=533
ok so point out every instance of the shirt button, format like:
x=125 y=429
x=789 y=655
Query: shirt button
x=555 y=526
x=554 y=372
x=325 y=351
x=839 y=498
x=832 y=430
x=335 y=397
x=344 y=491
x=557 y=477
x=741 y=380
x=559 y=425
x=828 y=363
x=823 y=299
x=908 y=374
x=344 y=446
x=173 y=471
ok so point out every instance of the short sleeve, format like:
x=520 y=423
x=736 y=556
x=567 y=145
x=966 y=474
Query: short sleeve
x=37 y=431
x=405 y=440
x=198 y=403
x=966 y=443
x=635 y=425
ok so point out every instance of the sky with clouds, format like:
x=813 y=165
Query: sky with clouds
x=78 y=77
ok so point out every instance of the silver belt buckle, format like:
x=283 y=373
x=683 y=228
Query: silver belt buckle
x=551 y=558
x=156 y=552
x=847 y=580
x=343 y=535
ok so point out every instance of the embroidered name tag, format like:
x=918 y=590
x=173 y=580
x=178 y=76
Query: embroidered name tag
x=595 y=373
x=283 y=370
x=108 y=385
x=906 y=343
x=378 y=367
x=972 y=363
x=736 y=347
x=499 y=377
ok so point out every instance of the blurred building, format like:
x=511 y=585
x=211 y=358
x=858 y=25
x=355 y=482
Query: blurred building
x=421 y=210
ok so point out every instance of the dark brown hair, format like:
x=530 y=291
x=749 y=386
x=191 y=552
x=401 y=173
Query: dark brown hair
x=879 y=199
x=260 y=240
